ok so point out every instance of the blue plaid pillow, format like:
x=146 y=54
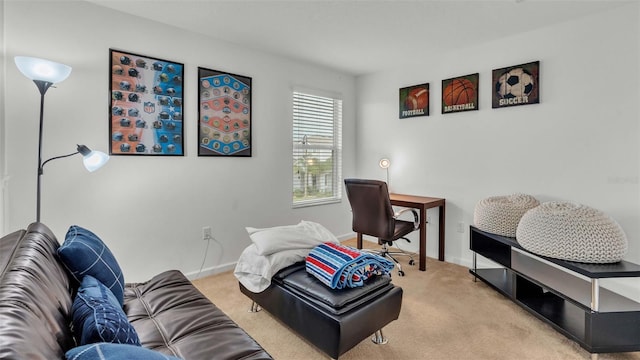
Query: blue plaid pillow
x=83 y=253
x=107 y=351
x=98 y=317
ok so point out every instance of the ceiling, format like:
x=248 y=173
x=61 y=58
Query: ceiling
x=359 y=36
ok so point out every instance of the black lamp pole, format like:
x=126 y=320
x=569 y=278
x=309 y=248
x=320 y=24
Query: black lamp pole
x=43 y=86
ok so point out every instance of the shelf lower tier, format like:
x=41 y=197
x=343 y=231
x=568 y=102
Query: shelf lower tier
x=596 y=332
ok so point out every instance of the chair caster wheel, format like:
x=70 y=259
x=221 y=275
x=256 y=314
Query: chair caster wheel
x=411 y=262
x=401 y=273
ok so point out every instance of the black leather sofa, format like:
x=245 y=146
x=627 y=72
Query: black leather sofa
x=333 y=320
x=169 y=314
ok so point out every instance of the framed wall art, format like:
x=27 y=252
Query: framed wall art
x=516 y=85
x=460 y=94
x=145 y=111
x=414 y=101
x=224 y=114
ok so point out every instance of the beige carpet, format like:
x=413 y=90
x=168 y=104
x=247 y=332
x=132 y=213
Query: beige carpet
x=445 y=315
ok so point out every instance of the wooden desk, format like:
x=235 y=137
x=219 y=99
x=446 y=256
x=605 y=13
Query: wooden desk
x=422 y=203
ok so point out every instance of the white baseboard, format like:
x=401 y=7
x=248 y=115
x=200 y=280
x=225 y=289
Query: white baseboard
x=210 y=271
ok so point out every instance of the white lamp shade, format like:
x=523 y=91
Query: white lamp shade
x=41 y=69
x=94 y=160
x=385 y=163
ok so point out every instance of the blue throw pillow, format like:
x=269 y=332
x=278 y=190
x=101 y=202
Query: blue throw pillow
x=98 y=317
x=83 y=253
x=106 y=351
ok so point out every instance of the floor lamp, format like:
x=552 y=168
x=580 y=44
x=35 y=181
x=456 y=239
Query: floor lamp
x=44 y=74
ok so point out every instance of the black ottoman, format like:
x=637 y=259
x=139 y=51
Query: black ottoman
x=332 y=320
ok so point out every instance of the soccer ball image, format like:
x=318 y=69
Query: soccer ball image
x=514 y=83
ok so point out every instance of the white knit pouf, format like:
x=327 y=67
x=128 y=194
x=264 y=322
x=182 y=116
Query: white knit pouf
x=573 y=232
x=501 y=214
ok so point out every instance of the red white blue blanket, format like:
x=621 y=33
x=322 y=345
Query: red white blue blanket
x=340 y=266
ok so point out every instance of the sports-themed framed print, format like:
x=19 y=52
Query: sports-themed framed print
x=224 y=114
x=414 y=101
x=460 y=94
x=516 y=85
x=145 y=110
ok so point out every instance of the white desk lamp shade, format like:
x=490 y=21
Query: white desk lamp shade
x=41 y=69
x=385 y=163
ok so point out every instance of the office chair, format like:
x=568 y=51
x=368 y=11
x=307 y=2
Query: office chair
x=373 y=215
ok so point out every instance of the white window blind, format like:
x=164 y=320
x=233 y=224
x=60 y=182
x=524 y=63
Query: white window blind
x=317 y=149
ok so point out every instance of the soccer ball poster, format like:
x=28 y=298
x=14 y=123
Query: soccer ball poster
x=414 y=101
x=460 y=94
x=145 y=109
x=516 y=85
x=224 y=108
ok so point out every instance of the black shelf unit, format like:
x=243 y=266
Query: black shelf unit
x=565 y=294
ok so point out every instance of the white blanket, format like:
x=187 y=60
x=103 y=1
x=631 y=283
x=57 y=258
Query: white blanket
x=275 y=248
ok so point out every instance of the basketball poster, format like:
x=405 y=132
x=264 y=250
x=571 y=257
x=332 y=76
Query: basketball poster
x=145 y=109
x=460 y=94
x=414 y=101
x=516 y=85
x=224 y=112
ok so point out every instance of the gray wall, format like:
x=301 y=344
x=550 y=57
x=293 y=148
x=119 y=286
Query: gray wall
x=580 y=144
x=151 y=210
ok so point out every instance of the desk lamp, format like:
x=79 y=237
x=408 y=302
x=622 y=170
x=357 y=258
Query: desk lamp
x=385 y=163
x=44 y=74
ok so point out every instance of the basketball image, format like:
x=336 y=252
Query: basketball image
x=514 y=83
x=460 y=91
x=417 y=99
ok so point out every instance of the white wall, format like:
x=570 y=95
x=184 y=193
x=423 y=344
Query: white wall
x=151 y=210
x=579 y=144
x=2 y=117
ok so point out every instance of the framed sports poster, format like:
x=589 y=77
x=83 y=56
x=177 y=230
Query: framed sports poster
x=224 y=114
x=460 y=94
x=516 y=85
x=145 y=111
x=414 y=101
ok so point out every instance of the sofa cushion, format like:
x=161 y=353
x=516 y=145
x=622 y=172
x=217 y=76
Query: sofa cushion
x=84 y=253
x=109 y=351
x=98 y=317
x=171 y=316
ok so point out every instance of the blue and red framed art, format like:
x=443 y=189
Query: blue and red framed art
x=224 y=114
x=145 y=108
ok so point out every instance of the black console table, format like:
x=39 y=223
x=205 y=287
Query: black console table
x=565 y=294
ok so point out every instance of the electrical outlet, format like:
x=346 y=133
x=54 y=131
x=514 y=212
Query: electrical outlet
x=206 y=233
x=461 y=227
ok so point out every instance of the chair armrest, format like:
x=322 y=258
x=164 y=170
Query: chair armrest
x=416 y=218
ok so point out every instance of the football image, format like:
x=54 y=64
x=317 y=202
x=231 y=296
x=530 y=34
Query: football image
x=514 y=83
x=417 y=99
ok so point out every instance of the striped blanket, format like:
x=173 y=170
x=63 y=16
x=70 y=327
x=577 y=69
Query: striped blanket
x=341 y=267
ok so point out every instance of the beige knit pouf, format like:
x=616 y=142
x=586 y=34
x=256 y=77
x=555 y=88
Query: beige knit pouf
x=501 y=214
x=573 y=232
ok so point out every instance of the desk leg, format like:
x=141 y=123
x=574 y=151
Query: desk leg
x=441 y=235
x=423 y=238
x=359 y=240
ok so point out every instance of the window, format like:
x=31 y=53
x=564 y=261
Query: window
x=317 y=149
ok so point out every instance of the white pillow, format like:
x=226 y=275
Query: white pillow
x=305 y=235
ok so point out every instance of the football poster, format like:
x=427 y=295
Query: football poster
x=516 y=85
x=224 y=126
x=460 y=94
x=145 y=106
x=414 y=101
x=145 y=111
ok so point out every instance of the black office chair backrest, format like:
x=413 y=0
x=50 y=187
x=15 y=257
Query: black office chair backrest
x=371 y=207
